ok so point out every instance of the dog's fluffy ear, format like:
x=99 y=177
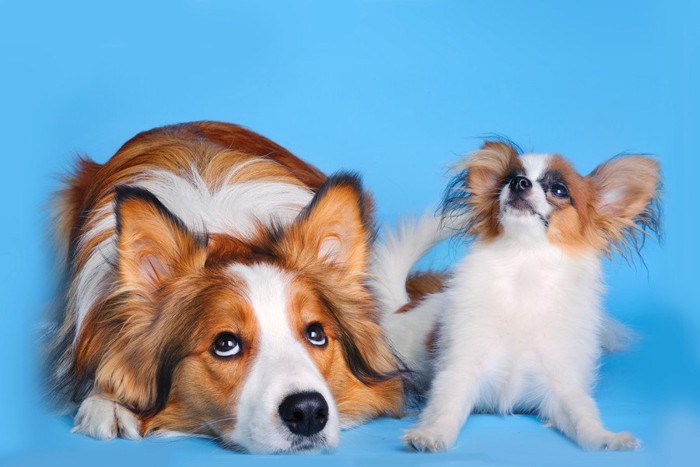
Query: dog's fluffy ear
x=335 y=229
x=153 y=244
x=626 y=199
x=489 y=165
x=123 y=348
x=471 y=200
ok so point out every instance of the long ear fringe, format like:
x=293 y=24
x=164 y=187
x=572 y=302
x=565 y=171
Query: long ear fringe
x=647 y=224
x=456 y=209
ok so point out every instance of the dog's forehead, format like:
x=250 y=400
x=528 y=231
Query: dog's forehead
x=535 y=165
x=267 y=288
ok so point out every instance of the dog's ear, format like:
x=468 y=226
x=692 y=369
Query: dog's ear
x=488 y=166
x=153 y=244
x=128 y=346
x=626 y=198
x=335 y=229
x=470 y=203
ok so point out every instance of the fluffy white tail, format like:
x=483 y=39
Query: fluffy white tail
x=397 y=253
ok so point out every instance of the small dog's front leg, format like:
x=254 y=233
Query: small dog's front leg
x=451 y=399
x=574 y=412
x=105 y=419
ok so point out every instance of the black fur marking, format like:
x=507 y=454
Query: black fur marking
x=455 y=204
x=360 y=368
x=170 y=358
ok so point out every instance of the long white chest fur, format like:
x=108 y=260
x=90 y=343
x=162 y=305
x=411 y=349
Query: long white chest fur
x=520 y=330
x=520 y=318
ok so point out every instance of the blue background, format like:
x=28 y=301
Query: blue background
x=395 y=90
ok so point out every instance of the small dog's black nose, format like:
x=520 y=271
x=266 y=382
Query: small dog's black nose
x=520 y=184
x=304 y=413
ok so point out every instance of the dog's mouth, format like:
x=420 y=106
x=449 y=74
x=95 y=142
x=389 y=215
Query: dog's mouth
x=521 y=205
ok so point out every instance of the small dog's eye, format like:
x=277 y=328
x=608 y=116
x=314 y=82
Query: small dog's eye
x=559 y=190
x=316 y=335
x=226 y=345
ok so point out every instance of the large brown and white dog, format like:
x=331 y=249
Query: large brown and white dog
x=216 y=286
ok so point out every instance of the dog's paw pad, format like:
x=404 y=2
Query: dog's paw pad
x=426 y=440
x=104 y=419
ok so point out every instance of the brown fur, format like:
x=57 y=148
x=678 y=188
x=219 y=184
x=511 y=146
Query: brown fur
x=584 y=221
x=473 y=194
x=422 y=283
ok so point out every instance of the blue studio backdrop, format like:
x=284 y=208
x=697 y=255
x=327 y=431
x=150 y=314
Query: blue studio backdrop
x=395 y=90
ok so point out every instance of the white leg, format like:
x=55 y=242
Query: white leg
x=105 y=419
x=452 y=397
x=573 y=411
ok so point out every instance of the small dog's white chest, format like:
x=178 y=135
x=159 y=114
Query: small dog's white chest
x=524 y=317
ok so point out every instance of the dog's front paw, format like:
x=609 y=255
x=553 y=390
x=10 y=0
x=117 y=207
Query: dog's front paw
x=428 y=440
x=621 y=442
x=608 y=441
x=104 y=419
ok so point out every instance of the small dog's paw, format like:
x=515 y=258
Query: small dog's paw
x=104 y=419
x=621 y=442
x=427 y=440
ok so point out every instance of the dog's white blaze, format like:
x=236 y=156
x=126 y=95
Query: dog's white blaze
x=535 y=166
x=521 y=225
x=282 y=366
x=234 y=208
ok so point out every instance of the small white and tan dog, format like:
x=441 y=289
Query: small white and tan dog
x=520 y=325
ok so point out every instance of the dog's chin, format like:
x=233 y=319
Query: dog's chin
x=294 y=444
x=309 y=445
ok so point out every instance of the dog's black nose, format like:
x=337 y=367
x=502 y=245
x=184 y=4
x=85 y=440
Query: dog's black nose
x=520 y=184
x=304 y=413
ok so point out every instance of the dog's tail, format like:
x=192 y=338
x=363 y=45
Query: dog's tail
x=397 y=253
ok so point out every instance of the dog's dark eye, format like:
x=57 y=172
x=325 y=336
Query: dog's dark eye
x=316 y=335
x=226 y=345
x=559 y=190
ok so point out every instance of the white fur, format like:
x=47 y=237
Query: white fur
x=520 y=330
x=105 y=419
x=392 y=262
x=282 y=367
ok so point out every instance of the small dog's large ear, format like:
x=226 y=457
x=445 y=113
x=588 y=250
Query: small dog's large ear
x=626 y=198
x=471 y=199
x=334 y=229
x=489 y=165
x=153 y=244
